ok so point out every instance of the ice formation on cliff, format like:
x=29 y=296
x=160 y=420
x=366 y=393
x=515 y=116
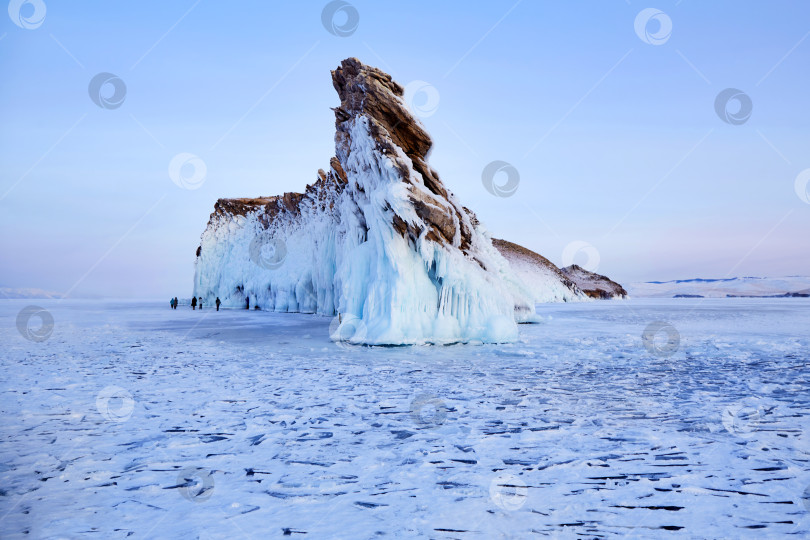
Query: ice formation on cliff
x=377 y=239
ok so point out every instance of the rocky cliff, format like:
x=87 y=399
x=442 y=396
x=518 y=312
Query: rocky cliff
x=377 y=238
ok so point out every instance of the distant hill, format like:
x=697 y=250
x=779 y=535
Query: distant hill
x=748 y=287
x=16 y=293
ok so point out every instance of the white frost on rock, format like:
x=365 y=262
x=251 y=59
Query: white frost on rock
x=545 y=281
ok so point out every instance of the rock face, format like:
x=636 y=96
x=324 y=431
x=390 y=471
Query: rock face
x=368 y=92
x=377 y=238
x=592 y=284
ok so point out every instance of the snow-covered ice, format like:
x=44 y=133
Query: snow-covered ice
x=134 y=420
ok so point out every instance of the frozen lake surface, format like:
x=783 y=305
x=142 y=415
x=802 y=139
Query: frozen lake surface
x=134 y=420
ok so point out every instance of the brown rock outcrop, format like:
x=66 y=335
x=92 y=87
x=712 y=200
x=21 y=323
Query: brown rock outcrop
x=593 y=284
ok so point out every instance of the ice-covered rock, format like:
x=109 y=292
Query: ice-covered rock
x=546 y=282
x=377 y=239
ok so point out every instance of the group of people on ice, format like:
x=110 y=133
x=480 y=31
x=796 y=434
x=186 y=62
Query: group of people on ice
x=194 y=302
x=198 y=301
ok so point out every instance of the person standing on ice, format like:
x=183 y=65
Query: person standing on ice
x=193 y=302
x=217 y=302
x=247 y=303
x=176 y=301
x=200 y=302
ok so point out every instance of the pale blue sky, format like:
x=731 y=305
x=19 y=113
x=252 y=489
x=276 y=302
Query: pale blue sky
x=616 y=140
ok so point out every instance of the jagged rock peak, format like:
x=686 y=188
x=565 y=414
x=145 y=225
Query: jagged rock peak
x=367 y=90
